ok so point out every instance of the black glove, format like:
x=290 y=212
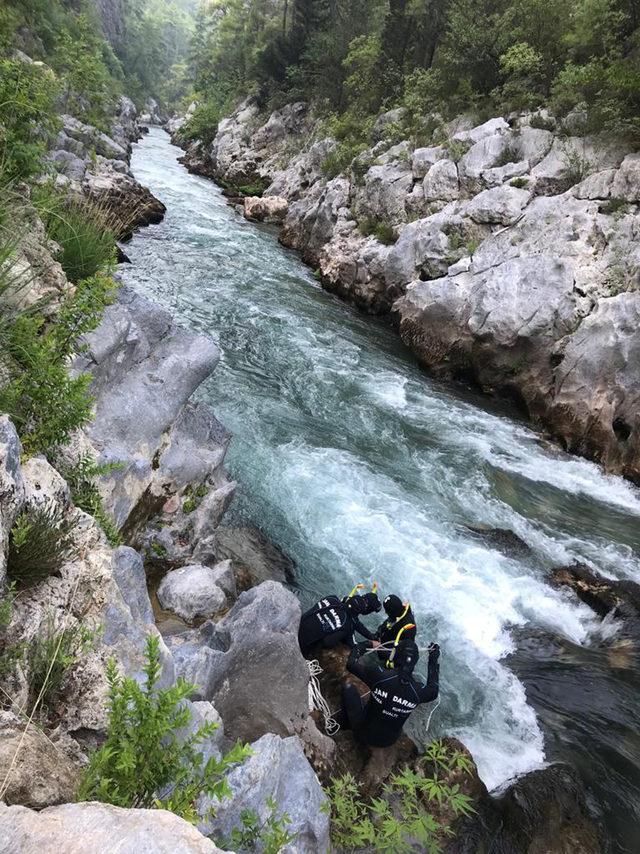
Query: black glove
x=434 y=652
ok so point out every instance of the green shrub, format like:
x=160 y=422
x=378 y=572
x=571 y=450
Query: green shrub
x=44 y=402
x=509 y=154
x=81 y=477
x=143 y=763
x=539 y=122
x=49 y=657
x=382 y=231
x=614 y=206
x=40 y=542
x=268 y=837
x=85 y=232
x=27 y=117
x=400 y=819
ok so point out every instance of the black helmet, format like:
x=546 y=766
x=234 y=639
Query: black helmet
x=406 y=656
x=372 y=602
x=394 y=606
x=356 y=605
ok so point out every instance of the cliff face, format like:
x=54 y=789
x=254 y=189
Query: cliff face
x=506 y=252
x=112 y=16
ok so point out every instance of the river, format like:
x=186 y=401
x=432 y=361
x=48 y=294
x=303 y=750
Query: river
x=360 y=467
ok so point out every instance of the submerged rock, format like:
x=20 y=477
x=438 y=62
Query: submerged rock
x=605 y=596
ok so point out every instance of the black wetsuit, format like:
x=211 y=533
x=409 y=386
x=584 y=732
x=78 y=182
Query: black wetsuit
x=394 y=695
x=328 y=622
x=388 y=631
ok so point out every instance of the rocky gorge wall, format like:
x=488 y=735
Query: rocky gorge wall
x=510 y=255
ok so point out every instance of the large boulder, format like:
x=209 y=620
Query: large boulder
x=500 y=205
x=383 y=196
x=626 y=184
x=93 y=139
x=194 y=592
x=249 y=664
x=266 y=209
x=39 y=773
x=145 y=369
x=254 y=555
x=11 y=486
x=441 y=182
x=111 y=187
x=93 y=828
x=278 y=770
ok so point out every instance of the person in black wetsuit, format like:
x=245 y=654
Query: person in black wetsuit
x=395 y=693
x=332 y=621
x=400 y=624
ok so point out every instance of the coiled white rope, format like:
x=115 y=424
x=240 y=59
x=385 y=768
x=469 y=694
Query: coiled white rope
x=317 y=701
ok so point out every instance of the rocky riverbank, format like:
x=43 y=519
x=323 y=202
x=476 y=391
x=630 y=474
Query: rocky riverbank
x=505 y=252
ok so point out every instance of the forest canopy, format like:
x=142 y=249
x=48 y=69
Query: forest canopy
x=354 y=58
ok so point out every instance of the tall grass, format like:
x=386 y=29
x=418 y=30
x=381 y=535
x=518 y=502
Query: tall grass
x=85 y=232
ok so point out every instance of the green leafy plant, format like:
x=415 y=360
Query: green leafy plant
x=40 y=542
x=143 y=762
x=401 y=818
x=45 y=403
x=27 y=117
x=268 y=836
x=49 y=657
x=193 y=495
x=81 y=478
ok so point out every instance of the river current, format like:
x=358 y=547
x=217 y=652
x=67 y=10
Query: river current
x=361 y=468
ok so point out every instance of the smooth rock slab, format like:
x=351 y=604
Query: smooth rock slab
x=192 y=592
x=278 y=769
x=93 y=828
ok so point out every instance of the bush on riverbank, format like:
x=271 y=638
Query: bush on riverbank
x=144 y=763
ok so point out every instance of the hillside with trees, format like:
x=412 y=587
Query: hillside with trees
x=354 y=58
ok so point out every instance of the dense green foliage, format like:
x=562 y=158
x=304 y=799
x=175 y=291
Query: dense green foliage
x=409 y=812
x=45 y=403
x=147 y=761
x=40 y=542
x=358 y=57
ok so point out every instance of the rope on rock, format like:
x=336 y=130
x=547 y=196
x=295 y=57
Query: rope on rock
x=317 y=701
